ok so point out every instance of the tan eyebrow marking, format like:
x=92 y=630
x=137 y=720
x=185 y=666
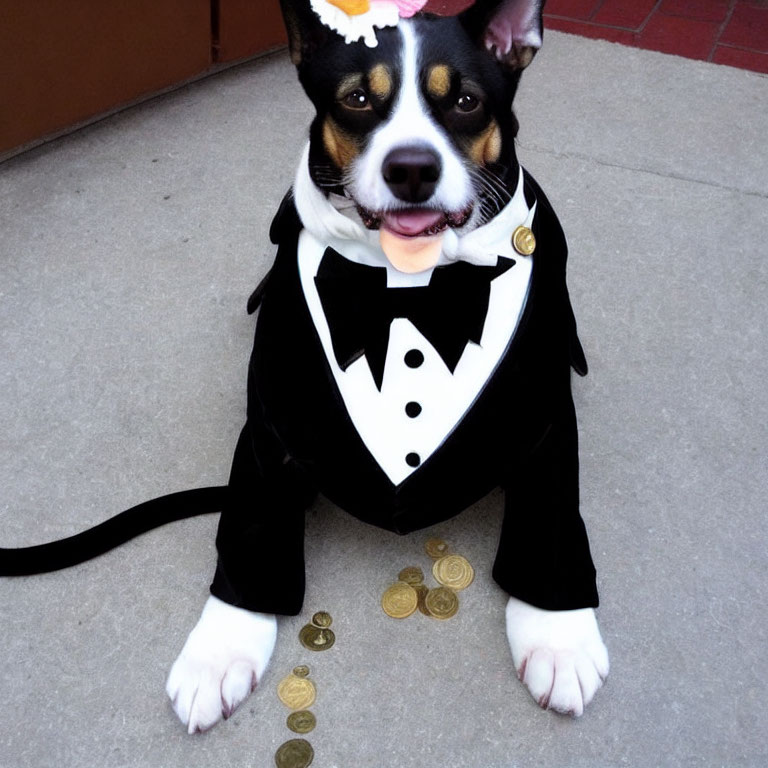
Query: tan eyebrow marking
x=380 y=82
x=348 y=84
x=439 y=81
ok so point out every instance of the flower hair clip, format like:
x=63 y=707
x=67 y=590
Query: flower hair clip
x=355 y=19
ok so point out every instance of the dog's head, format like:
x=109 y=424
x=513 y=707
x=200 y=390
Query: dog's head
x=415 y=125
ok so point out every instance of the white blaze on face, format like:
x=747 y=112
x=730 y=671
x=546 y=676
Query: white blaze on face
x=409 y=125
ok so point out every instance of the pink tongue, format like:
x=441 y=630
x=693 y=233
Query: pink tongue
x=410 y=223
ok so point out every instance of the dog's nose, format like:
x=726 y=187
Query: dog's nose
x=412 y=173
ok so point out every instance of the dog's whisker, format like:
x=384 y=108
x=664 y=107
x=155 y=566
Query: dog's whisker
x=487 y=189
x=493 y=194
x=494 y=179
x=491 y=183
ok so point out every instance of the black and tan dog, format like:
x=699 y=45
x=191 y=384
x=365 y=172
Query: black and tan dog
x=414 y=345
x=400 y=378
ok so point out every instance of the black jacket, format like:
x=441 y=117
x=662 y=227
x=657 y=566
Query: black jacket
x=299 y=440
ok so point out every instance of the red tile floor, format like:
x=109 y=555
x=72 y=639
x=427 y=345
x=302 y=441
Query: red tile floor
x=733 y=32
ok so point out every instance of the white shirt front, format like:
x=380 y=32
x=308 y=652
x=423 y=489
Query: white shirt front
x=419 y=406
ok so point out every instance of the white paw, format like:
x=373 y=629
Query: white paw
x=222 y=661
x=558 y=655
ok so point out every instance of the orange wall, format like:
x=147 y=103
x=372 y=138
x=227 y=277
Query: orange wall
x=66 y=61
x=248 y=26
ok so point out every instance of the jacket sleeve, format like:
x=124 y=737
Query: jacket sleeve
x=260 y=540
x=543 y=556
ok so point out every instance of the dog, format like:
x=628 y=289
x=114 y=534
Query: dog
x=413 y=351
x=401 y=418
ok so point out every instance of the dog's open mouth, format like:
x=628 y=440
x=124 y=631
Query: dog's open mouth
x=414 y=222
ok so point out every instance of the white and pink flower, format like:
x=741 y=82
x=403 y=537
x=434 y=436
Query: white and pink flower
x=409 y=8
x=356 y=19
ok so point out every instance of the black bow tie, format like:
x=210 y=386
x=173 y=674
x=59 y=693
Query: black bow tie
x=359 y=308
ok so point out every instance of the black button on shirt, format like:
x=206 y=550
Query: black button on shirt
x=412 y=409
x=414 y=358
x=413 y=459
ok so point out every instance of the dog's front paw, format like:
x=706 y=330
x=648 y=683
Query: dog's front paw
x=222 y=661
x=558 y=655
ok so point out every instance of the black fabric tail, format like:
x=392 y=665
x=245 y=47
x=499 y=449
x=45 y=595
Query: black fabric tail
x=113 y=532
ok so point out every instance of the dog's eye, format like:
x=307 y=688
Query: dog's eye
x=357 y=99
x=467 y=103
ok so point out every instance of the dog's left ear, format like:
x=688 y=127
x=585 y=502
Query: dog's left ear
x=306 y=33
x=510 y=29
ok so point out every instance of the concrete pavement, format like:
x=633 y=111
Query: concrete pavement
x=127 y=252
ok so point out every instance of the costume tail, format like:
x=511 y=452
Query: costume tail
x=111 y=533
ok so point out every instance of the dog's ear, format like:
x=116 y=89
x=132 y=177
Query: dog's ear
x=305 y=31
x=510 y=30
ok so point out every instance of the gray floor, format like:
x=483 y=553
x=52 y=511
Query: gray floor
x=127 y=251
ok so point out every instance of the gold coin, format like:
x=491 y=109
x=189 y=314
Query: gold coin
x=302 y=721
x=296 y=692
x=524 y=241
x=400 y=600
x=453 y=571
x=301 y=671
x=316 y=639
x=296 y=753
x=322 y=619
x=442 y=603
x=436 y=548
x=411 y=575
x=422 y=590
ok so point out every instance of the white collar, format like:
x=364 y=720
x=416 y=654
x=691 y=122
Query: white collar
x=340 y=227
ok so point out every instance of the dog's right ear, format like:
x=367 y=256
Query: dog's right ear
x=305 y=31
x=511 y=30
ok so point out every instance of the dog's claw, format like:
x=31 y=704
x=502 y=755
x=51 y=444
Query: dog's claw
x=521 y=670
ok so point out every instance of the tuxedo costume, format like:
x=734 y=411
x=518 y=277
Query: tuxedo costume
x=403 y=419
x=307 y=432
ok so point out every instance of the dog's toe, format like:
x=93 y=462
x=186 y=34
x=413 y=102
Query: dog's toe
x=206 y=709
x=589 y=677
x=598 y=655
x=538 y=675
x=237 y=685
x=181 y=695
x=194 y=691
x=566 y=696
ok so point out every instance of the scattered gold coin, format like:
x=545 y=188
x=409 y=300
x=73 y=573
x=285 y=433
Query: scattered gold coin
x=301 y=671
x=442 y=603
x=436 y=548
x=422 y=590
x=322 y=619
x=316 y=639
x=411 y=575
x=400 y=600
x=453 y=571
x=296 y=753
x=296 y=692
x=302 y=721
